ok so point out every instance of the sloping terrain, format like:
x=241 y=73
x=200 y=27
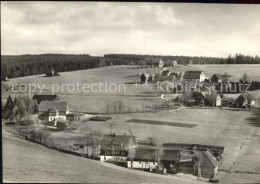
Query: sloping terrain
x=28 y=162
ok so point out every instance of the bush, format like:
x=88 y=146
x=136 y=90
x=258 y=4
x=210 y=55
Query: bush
x=61 y=126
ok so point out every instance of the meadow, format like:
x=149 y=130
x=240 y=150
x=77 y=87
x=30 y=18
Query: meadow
x=237 y=130
x=130 y=95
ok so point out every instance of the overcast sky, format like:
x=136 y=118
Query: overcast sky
x=98 y=28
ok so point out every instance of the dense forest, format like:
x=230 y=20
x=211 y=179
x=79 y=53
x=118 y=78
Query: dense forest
x=26 y=65
x=184 y=60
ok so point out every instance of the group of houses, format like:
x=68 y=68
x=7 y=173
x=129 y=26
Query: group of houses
x=167 y=75
x=160 y=63
x=52 y=110
x=221 y=83
x=125 y=151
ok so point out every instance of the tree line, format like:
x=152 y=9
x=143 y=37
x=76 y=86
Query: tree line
x=184 y=60
x=26 y=65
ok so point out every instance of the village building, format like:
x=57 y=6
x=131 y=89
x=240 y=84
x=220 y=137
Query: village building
x=195 y=76
x=208 y=166
x=52 y=73
x=75 y=116
x=174 y=76
x=115 y=148
x=41 y=98
x=244 y=101
x=170 y=63
x=50 y=110
x=218 y=78
x=147 y=159
x=155 y=62
x=202 y=98
x=145 y=78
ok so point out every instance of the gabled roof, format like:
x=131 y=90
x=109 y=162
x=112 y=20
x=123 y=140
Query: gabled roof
x=219 y=76
x=242 y=98
x=174 y=73
x=211 y=158
x=149 y=154
x=40 y=98
x=125 y=141
x=192 y=74
x=45 y=106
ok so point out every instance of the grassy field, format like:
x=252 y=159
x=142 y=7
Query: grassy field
x=131 y=96
x=238 y=131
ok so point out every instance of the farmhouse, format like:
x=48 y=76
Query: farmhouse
x=170 y=63
x=52 y=73
x=115 y=148
x=155 y=62
x=244 y=100
x=218 y=78
x=40 y=98
x=202 y=98
x=50 y=110
x=147 y=159
x=197 y=76
x=145 y=78
x=75 y=116
x=174 y=76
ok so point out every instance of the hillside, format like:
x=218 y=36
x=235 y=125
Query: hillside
x=27 y=162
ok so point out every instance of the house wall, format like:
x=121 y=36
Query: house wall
x=218 y=101
x=161 y=64
x=207 y=169
x=141 y=165
x=57 y=116
x=104 y=158
x=202 y=77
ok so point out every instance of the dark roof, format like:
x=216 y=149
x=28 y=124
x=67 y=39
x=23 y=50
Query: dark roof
x=61 y=106
x=40 y=98
x=211 y=158
x=125 y=141
x=242 y=98
x=219 y=76
x=192 y=74
x=149 y=154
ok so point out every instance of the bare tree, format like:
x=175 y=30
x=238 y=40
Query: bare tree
x=158 y=154
x=120 y=106
x=198 y=159
x=212 y=98
x=245 y=78
x=130 y=131
x=111 y=126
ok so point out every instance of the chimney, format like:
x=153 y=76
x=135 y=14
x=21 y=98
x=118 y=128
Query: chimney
x=124 y=133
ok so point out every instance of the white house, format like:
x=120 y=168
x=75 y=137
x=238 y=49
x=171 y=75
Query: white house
x=197 y=76
x=51 y=110
x=155 y=62
x=146 y=158
x=115 y=148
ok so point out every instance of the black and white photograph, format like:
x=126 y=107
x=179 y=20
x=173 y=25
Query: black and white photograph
x=130 y=92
